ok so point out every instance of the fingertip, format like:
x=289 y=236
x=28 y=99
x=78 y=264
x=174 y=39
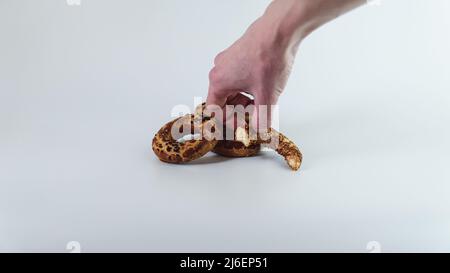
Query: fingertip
x=214 y=98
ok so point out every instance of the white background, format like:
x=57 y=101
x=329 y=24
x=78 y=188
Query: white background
x=84 y=88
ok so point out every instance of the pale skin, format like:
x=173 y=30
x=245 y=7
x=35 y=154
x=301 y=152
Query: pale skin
x=259 y=63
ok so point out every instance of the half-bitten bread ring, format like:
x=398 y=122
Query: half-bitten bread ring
x=169 y=149
x=283 y=146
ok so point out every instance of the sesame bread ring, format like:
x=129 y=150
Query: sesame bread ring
x=171 y=150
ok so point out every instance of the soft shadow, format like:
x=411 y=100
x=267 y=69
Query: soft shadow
x=210 y=158
x=270 y=155
x=350 y=132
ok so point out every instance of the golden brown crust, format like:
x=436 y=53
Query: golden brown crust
x=230 y=148
x=170 y=150
x=283 y=146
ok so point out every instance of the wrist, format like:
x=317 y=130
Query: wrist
x=290 y=21
x=285 y=24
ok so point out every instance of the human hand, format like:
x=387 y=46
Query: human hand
x=259 y=63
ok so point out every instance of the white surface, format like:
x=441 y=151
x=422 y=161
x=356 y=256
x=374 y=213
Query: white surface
x=83 y=90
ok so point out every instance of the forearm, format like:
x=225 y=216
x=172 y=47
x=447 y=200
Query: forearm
x=261 y=60
x=287 y=22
